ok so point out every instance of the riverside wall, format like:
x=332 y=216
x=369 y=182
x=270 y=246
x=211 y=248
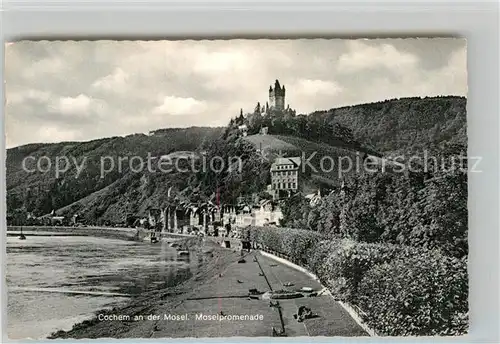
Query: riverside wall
x=106 y=232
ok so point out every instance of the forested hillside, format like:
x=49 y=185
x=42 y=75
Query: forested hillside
x=404 y=125
x=40 y=192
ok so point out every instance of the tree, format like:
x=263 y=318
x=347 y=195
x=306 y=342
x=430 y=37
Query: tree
x=441 y=215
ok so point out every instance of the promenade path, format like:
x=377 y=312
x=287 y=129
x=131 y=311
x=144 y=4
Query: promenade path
x=228 y=293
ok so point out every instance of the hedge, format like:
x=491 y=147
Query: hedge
x=401 y=290
x=296 y=244
x=420 y=295
x=348 y=261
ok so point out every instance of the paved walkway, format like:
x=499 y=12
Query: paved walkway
x=227 y=293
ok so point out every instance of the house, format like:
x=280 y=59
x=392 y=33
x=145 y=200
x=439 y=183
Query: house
x=285 y=176
x=154 y=217
x=314 y=198
x=267 y=213
x=262 y=213
x=76 y=219
x=58 y=220
x=243 y=130
x=264 y=131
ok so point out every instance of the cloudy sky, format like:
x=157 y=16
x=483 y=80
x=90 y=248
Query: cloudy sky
x=62 y=91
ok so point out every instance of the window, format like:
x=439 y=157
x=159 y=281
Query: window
x=289 y=185
x=294 y=186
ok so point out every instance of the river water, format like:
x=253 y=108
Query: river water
x=55 y=281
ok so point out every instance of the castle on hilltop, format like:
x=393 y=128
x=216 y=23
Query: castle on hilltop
x=276 y=103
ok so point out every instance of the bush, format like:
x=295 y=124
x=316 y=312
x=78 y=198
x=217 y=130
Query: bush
x=296 y=244
x=319 y=254
x=355 y=259
x=423 y=294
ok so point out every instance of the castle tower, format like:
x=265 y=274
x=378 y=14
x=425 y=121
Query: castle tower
x=277 y=97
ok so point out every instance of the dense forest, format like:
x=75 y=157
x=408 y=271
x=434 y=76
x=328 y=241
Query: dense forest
x=41 y=192
x=425 y=209
x=406 y=125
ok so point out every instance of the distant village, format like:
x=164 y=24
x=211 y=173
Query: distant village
x=211 y=218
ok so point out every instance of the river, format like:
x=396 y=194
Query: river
x=55 y=281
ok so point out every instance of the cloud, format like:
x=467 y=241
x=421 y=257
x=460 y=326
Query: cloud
x=52 y=133
x=92 y=89
x=214 y=63
x=27 y=95
x=172 y=105
x=115 y=82
x=315 y=87
x=78 y=105
x=362 y=56
x=46 y=66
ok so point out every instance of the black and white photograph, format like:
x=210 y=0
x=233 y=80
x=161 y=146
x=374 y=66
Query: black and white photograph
x=217 y=188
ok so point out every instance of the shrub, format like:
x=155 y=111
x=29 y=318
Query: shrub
x=422 y=294
x=318 y=256
x=341 y=263
x=296 y=244
x=356 y=259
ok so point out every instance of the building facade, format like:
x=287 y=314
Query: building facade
x=285 y=176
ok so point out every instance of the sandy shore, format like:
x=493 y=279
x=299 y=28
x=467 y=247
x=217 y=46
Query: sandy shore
x=214 y=302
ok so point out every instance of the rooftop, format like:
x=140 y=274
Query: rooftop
x=296 y=161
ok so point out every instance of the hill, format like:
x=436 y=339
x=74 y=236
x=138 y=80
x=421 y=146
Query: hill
x=42 y=192
x=404 y=125
x=320 y=156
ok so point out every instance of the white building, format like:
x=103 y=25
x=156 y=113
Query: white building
x=262 y=214
x=285 y=176
x=243 y=129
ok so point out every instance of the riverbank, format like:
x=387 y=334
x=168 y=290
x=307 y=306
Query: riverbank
x=214 y=302
x=212 y=259
x=105 y=232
